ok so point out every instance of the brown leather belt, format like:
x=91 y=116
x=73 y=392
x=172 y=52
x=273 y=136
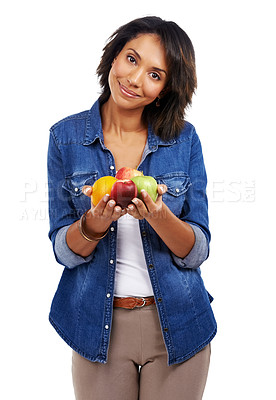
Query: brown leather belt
x=133 y=302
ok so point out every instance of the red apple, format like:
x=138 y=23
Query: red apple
x=123 y=191
x=128 y=173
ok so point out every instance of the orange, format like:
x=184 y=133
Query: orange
x=101 y=187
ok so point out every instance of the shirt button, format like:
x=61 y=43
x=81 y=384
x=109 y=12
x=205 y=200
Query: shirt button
x=112 y=229
x=160 y=299
x=112 y=167
x=76 y=189
x=144 y=233
x=108 y=295
x=106 y=327
x=177 y=190
x=111 y=261
x=165 y=329
x=151 y=266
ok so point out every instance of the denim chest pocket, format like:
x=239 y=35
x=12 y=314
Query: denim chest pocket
x=177 y=183
x=74 y=184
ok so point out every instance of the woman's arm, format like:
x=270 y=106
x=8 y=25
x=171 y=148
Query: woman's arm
x=175 y=233
x=64 y=223
x=77 y=243
x=97 y=221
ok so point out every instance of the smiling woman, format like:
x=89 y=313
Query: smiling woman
x=178 y=66
x=134 y=72
x=131 y=302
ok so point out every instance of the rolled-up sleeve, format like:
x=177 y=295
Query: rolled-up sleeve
x=64 y=254
x=195 y=209
x=198 y=254
x=62 y=213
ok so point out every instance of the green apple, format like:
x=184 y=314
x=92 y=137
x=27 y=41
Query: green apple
x=148 y=183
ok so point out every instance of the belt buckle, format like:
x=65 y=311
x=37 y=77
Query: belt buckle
x=144 y=302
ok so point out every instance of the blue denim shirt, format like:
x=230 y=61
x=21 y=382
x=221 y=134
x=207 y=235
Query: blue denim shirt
x=81 y=310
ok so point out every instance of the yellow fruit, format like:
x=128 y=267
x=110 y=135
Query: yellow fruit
x=101 y=187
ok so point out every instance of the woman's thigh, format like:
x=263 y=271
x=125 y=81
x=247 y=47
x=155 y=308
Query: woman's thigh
x=118 y=379
x=184 y=381
x=95 y=381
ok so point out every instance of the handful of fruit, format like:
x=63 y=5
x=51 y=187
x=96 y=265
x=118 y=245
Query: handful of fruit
x=127 y=184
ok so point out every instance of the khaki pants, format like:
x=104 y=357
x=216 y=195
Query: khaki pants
x=137 y=364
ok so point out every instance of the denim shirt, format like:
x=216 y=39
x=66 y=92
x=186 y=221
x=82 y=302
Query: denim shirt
x=81 y=310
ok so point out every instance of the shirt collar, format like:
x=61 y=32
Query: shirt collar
x=93 y=129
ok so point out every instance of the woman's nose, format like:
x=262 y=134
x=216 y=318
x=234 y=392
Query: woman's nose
x=135 y=78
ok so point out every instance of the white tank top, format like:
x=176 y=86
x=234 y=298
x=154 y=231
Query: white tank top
x=131 y=277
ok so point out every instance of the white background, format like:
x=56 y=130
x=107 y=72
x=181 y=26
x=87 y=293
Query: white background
x=49 y=52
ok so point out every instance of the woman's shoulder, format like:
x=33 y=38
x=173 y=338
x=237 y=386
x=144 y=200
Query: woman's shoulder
x=187 y=133
x=70 y=119
x=70 y=128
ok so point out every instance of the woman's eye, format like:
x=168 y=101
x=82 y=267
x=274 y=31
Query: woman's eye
x=131 y=59
x=155 y=76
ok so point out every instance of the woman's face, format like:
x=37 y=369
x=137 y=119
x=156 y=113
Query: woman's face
x=139 y=72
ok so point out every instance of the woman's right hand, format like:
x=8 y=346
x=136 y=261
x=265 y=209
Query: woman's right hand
x=101 y=216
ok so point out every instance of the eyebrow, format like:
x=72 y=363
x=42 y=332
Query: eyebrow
x=138 y=56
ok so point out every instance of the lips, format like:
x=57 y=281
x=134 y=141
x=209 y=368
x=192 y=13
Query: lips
x=128 y=92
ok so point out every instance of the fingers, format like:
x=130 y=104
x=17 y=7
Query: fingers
x=107 y=209
x=113 y=211
x=152 y=206
x=87 y=190
x=100 y=207
x=147 y=207
x=161 y=189
x=138 y=209
x=134 y=210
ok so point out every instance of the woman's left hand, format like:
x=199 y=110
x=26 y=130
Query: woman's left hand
x=147 y=208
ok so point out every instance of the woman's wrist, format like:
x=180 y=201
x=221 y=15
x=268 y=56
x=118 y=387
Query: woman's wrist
x=86 y=233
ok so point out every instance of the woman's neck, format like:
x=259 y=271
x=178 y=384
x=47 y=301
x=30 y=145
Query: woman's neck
x=119 y=120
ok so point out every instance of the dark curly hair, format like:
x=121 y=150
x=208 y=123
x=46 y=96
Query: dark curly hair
x=167 y=120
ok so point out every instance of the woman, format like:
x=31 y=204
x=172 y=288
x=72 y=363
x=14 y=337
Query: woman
x=131 y=302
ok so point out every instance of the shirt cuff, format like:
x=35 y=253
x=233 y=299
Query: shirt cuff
x=198 y=254
x=64 y=254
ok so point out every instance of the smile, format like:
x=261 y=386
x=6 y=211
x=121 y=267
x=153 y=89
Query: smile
x=129 y=93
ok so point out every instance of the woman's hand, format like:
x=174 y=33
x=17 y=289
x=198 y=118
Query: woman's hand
x=147 y=208
x=101 y=215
